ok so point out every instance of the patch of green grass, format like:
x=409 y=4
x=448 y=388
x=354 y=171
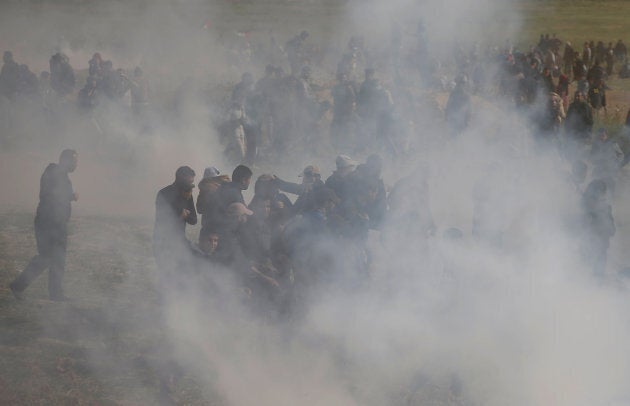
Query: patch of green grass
x=575 y=21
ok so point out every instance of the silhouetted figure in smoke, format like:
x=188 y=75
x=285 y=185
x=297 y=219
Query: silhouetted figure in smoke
x=174 y=208
x=28 y=85
x=88 y=97
x=339 y=180
x=51 y=227
x=344 y=121
x=244 y=91
x=208 y=203
x=607 y=157
x=311 y=181
x=233 y=136
x=578 y=124
x=307 y=242
x=352 y=223
x=257 y=233
x=374 y=107
x=599 y=226
x=267 y=188
x=95 y=66
x=266 y=283
x=369 y=175
x=295 y=51
x=459 y=107
x=9 y=76
x=309 y=111
x=61 y=74
x=245 y=118
x=230 y=250
x=108 y=81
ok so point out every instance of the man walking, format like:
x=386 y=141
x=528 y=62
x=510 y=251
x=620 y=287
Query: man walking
x=51 y=227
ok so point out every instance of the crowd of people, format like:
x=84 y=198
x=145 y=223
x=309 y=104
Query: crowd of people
x=278 y=248
x=273 y=243
x=281 y=250
x=293 y=242
x=558 y=88
x=560 y=95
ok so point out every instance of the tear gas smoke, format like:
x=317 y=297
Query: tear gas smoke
x=457 y=320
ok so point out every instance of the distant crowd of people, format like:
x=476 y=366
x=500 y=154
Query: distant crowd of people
x=18 y=83
x=560 y=90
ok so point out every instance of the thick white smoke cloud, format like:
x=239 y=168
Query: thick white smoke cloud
x=462 y=322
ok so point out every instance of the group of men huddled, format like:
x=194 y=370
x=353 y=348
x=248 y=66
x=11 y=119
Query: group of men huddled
x=276 y=248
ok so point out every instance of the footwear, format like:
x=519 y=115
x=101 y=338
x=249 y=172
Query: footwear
x=16 y=293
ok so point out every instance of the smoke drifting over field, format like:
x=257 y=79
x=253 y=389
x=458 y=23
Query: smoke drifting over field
x=440 y=321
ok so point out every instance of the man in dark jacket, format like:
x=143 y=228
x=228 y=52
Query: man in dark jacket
x=208 y=204
x=174 y=208
x=229 y=193
x=232 y=192
x=366 y=174
x=338 y=181
x=311 y=181
x=62 y=78
x=579 y=122
x=51 y=232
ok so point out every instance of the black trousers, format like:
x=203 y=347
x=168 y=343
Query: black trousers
x=52 y=240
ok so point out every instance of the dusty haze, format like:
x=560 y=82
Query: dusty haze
x=525 y=325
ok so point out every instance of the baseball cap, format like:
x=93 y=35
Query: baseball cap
x=211 y=172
